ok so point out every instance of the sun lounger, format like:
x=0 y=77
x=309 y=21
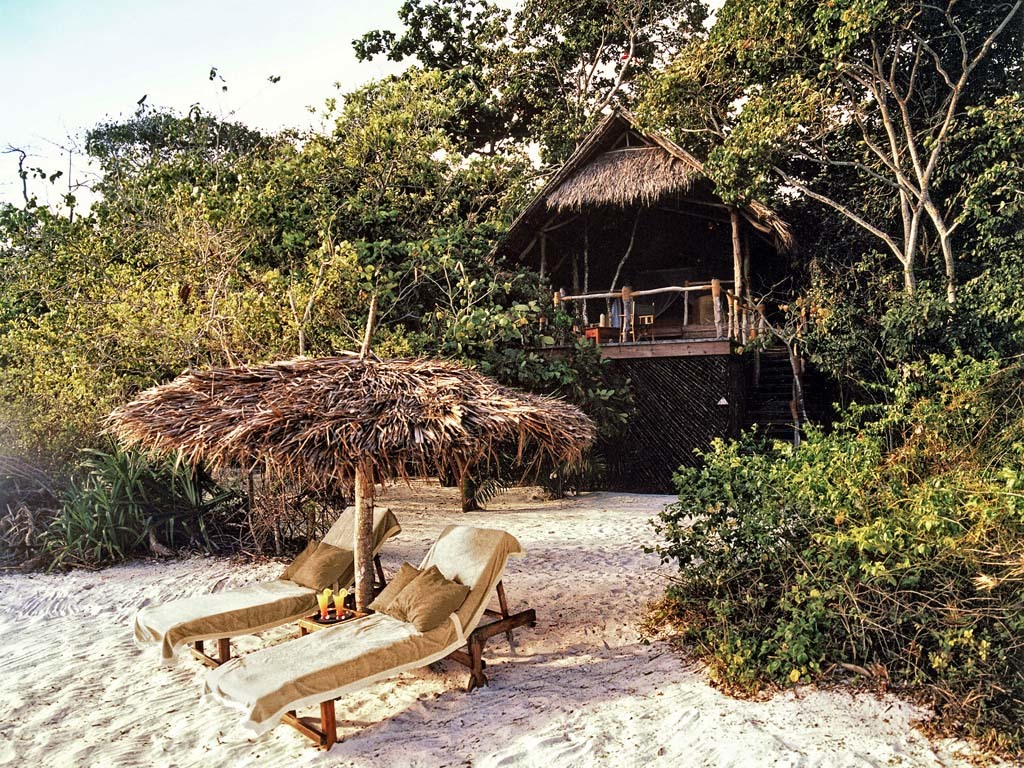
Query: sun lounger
x=253 y=608
x=269 y=685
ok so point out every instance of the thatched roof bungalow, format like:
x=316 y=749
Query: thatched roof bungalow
x=667 y=278
x=632 y=208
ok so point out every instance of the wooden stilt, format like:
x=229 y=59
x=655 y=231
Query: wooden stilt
x=737 y=271
x=223 y=652
x=543 y=255
x=749 y=327
x=716 y=303
x=472 y=657
x=326 y=735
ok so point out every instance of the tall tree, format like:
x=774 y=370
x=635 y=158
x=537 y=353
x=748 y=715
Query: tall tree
x=871 y=91
x=548 y=71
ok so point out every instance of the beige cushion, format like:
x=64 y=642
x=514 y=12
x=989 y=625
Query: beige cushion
x=322 y=568
x=428 y=600
x=405 y=575
x=298 y=561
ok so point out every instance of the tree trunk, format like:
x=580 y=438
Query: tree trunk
x=364 y=537
x=909 y=279
x=468 y=493
x=947 y=255
x=799 y=404
x=737 y=270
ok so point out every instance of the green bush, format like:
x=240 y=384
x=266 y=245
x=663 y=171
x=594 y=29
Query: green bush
x=122 y=498
x=893 y=546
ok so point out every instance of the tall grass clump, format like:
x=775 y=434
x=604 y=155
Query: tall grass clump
x=123 y=503
x=894 y=547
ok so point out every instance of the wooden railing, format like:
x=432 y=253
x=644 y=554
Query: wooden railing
x=740 y=320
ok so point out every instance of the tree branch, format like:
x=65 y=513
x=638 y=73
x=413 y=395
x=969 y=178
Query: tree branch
x=848 y=213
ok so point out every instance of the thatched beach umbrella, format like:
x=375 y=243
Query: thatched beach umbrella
x=347 y=422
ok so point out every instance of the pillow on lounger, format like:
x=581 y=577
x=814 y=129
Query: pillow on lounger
x=322 y=567
x=428 y=600
x=298 y=561
x=401 y=580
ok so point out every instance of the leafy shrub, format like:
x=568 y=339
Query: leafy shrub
x=123 y=501
x=904 y=560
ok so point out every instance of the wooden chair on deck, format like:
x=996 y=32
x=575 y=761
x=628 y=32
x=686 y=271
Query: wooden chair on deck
x=642 y=325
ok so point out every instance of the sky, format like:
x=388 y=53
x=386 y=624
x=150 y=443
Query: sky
x=70 y=65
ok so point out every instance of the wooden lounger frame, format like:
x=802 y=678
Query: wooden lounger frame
x=224 y=643
x=325 y=731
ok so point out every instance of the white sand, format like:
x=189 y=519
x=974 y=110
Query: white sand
x=579 y=690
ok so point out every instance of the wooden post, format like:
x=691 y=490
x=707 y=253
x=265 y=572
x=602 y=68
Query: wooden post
x=543 y=255
x=586 y=268
x=737 y=268
x=466 y=489
x=363 y=548
x=371 y=318
x=716 y=304
x=686 y=305
x=748 y=314
x=627 y=313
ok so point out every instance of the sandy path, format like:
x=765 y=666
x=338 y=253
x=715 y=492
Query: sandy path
x=579 y=690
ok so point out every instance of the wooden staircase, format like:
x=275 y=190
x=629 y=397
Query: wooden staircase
x=770 y=404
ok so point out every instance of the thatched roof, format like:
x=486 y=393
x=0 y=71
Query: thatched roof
x=624 y=177
x=314 y=419
x=620 y=165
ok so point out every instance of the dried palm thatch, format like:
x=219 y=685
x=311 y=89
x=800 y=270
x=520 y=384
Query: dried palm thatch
x=316 y=419
x=622 y=177
x=649 y=168
x=347 y=421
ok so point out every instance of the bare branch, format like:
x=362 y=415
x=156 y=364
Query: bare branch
x=22 y=173
x=622 y=72
x=906 y=260
x=851 y=164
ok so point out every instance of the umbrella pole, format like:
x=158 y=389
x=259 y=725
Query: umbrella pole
x=364 y=537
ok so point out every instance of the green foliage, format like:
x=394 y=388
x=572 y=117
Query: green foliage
x=792 y=561
x=543 y=73
x=571 y=477
x=499 y=324
x=215 y=245
x=991 y=160
x=122 y=497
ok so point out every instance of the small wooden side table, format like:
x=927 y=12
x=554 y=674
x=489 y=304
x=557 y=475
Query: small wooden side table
x=308 y=624
x=601 y=334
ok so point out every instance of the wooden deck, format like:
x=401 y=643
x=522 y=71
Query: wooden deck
x=631 y=350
